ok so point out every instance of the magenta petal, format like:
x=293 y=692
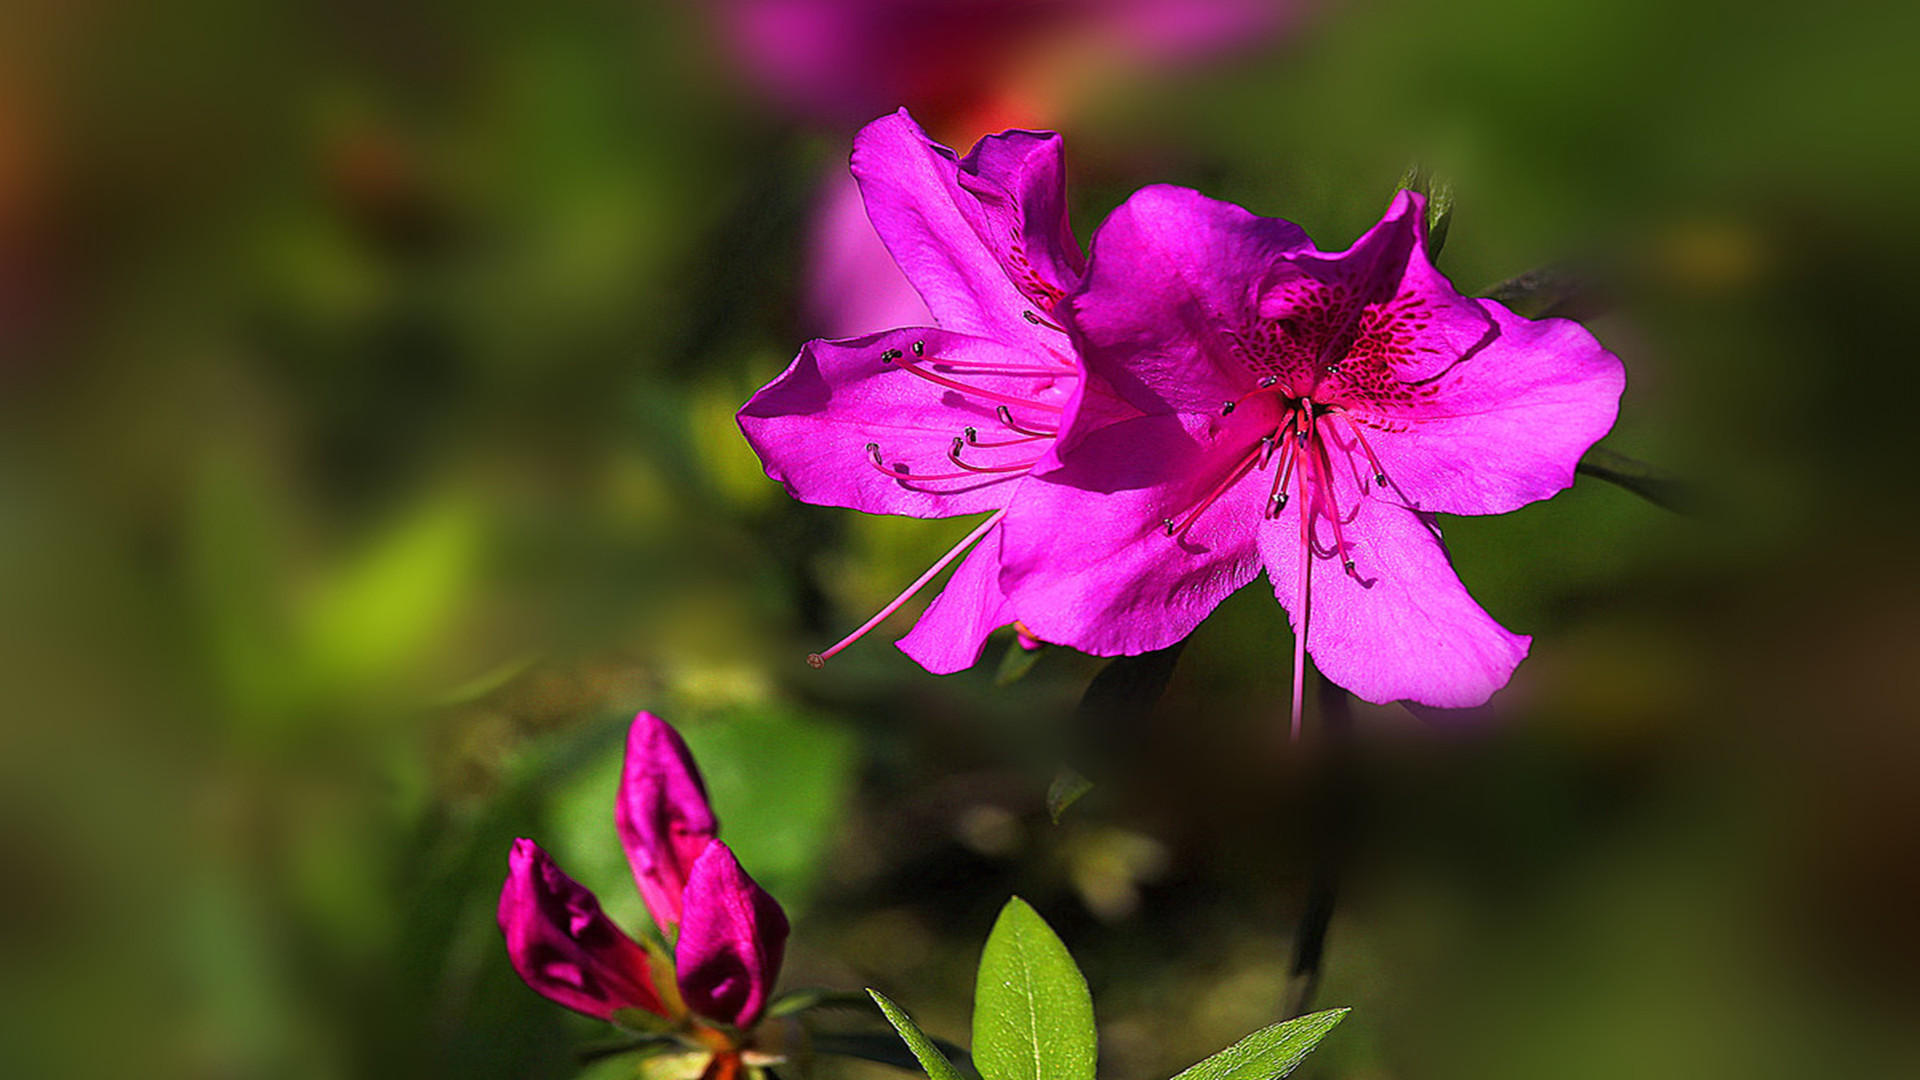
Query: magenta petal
x=564 y=946
x=1406 y=629
x=731 y=942
x=662 y=815
x=1507 y=424
x=1173 y=274
x=814 y=424
x=983 y=240
x=1088 y=562
x=955 y=627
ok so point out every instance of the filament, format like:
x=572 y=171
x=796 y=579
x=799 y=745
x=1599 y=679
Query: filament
x=819 y=659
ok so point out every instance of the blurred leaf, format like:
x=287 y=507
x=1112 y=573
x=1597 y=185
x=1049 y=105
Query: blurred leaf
x=1270 y=1052
x=237 y=547
x=882 y=1048
x=641 y=1022
x=1067 y=788
x=779 y=780
x=645 y=1045
x=1112 y=716
x=486 y=682
x=1016 y=662
x=399 y=595
x=1647 y=481
x=1032 y=1015
x=1438 y=191
x=1561 y=291
x=929 y=1055
x=798 y=1001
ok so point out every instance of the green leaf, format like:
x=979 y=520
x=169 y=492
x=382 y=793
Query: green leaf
x=1562 y=291
x=929 y=1055
x=799 y=1001
x=1647 y=481
x=641 y=1022
x=1032 y=1016
x=1067 y=788
x=1270 y=1052
x=1439 y=194
x=877 y=1046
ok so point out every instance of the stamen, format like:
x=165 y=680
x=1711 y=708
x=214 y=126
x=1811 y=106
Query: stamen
x=953 y=455
x=1277 y=496
x=966 y=388
x=819 y=659
x=1379 y=474
x=1233 y=477
x=1302 y=611
x=973 y=472
x=973 y=439
x=965 y=367
x=1006 y=417
x=1038 y=319
x=1323 y=467
x=1267 y=383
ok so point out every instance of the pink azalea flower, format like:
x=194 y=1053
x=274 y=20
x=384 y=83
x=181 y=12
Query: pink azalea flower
x=732 y=935
x=1275 y=405
x=946 y=420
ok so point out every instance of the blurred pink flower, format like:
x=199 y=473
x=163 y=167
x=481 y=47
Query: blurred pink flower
x=939 y=422
x=731 y=934
x=848 y=59
x=1272 y=404
x=966 y=68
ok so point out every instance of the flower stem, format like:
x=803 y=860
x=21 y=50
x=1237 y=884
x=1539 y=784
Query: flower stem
x=1333 y=808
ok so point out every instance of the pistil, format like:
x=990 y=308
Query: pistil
x=819 y=659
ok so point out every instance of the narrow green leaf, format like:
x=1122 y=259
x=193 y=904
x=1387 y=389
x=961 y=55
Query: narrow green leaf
x=1647 y=481
x=1562 y=291
x=883 y=1048
x=809 y=999
x=1268 y=1053
x=1067 y=788
x=1439 y=194
x=929 y=1055
x=1032 y=1015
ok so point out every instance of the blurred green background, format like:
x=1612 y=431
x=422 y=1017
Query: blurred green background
x=366 y=387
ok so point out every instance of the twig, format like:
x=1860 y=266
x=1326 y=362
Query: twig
x=1334 y=803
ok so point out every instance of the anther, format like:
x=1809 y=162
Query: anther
x=972 y=435
x=873 y=451
x=1227 y=409
x=1278 y=502
x=1006 y=417
x=1167 y=524
x=1269 y=381
x=1030 y=317
x=890 y=356
x=919 y=348
x=816 y=661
